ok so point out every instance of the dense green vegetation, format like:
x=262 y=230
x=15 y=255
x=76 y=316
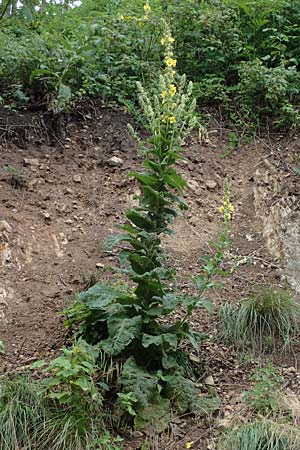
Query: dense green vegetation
x=240 y=54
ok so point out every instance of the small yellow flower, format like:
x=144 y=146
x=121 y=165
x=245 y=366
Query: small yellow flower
x=230 y=207
x=171 y=62
x=164 y=118
x=164 y=94
x=172 y=119
x=147 y=8
x=221 y=209
x=122 y=17
x=170 y=39
x=227 y=216
x=163 y=41
x=189 y=444
x=172 y=90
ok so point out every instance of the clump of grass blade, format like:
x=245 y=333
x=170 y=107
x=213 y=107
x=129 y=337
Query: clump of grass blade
x=261 y=435
x=22 y=413
x=261 y=320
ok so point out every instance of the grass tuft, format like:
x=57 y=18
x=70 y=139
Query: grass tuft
x=261 y=320
x=261 y=435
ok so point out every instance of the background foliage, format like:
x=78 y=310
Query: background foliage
x=244 y=55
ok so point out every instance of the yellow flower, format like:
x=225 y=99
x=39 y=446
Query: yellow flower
x=147 y=8
x=172 y=119
x=230 y=207
x=170 y=62
x=164 y=94
x=227 y=216
x=221 y=209
x=189 y=444
x=172 y=90
x=163 y=41
x=164 y=118
x=170 y=39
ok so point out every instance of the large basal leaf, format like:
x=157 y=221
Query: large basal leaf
x=163 y=340
x=137 y=380
x=155 y=417
x=122 y=330
x=98 y=296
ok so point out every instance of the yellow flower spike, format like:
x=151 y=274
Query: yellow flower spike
x=164 y=94
x=147 y=8
x=172 y=90
x=172 y=119
x=170 y=39
x=189 y=444
x=170 y=62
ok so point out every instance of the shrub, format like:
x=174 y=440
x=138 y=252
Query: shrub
x=261 y=320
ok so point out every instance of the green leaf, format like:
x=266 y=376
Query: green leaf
x=174 y=180
x=155 y=417
x=160 y=340
x=38 y=364
x=139 y=219
x=98 y=296
x=64 y=93
x=122 y=330
x=145 y=179
x=137 y=380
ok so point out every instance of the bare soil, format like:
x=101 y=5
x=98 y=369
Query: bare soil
x=61 y=194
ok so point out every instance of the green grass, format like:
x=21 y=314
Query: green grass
x=261 y=435
x=31 y=421
x=262 y=320
x=22 y=411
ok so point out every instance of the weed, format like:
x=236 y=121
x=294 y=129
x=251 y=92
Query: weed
x=263 y=397
x=261 y=320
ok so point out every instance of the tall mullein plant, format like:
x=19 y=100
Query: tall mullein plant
x=129 y=323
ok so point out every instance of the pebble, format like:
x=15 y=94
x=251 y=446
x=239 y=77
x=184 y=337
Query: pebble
x=31 y=162
x=209 y=381
x=211 y=184
x=77 y=178
x=114 y=161
x=4 y=226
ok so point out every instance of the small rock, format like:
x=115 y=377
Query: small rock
x=114 y=161
x=46 y=215
x=211 y=184
x=4 y=226
x=99 y=265
x=31 y=162
x=193 y=185
x=209 y=381
x=225 y=423
x=77 y=178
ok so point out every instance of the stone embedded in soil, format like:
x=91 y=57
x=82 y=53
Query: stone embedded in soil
x=77 y=178
x=211 y=184
x=31 y=162
x=5 y=254
x=4 y=226
x=193 y=185
x=114 y=161
x=209 y=381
